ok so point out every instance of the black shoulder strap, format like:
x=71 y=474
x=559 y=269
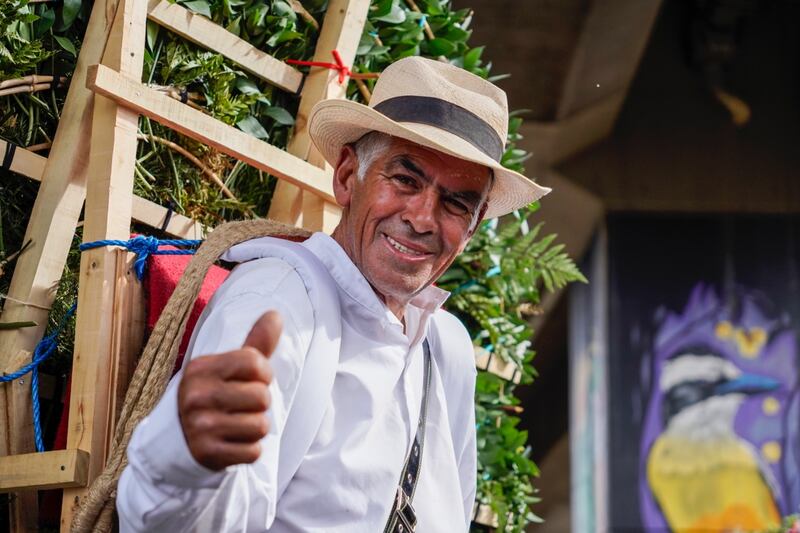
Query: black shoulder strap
x=402 y=518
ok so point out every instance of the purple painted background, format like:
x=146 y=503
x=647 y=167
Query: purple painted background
x=777 y=359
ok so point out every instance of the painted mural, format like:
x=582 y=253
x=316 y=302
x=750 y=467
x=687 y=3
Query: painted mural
x=720 y=440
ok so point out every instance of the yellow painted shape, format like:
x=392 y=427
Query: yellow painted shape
x=717 y=482
x=750 y=343
x=770 y=406
x=724 y=330
x=771 y=451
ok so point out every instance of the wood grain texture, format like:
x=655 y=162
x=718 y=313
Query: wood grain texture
x=144 y=211
x=204 y=32
x=206 y=129
x=341 y=31
x=49 y=470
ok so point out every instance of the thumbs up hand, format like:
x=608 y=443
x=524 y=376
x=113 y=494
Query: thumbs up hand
x=223 y=399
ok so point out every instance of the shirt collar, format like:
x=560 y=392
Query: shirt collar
x=352 y=281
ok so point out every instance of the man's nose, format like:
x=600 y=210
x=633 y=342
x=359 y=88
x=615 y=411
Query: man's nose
x=420 y=211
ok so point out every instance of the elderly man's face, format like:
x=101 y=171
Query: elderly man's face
x=410 y=216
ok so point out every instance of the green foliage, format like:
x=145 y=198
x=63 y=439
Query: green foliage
x=20 y=49
x=496 y=283
x=791 y=524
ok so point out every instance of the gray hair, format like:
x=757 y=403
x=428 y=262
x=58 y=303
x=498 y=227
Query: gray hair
x=368 y=148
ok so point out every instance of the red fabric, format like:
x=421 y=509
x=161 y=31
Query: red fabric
x=163 y=273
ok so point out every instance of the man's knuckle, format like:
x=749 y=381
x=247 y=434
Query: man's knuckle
x=251 y=452
x=194 y=396
x=204 y=422
x=262 y=427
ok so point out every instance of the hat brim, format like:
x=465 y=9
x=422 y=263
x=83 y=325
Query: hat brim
x=336 y=122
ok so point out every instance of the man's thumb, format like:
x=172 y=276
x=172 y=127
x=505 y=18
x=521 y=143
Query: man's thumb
x=265 y=333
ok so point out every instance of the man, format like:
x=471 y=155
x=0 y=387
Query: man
x=415 y=173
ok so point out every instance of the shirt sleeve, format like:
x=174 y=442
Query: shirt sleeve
x=163 y=488
x=459 y=380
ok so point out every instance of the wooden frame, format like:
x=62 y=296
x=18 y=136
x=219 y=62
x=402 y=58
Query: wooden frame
x=97 y=138
x=32 y=165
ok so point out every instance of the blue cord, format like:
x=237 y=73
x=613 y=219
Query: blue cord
x=43 y=350
x=144 y=247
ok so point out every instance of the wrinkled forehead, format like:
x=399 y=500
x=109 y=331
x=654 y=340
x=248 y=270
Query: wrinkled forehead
x=432 y=163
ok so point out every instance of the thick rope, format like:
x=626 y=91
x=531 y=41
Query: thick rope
x=153 y=371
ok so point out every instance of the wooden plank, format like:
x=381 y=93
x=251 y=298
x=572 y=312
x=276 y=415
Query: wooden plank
x=51 y=228
x=109 y=199
x=154 y=215
x=341 y=31
x=127 y=335
x=204 y=32
x=49 y=470
x=32 y=165
x=199 y=126
x=26 y=162
x=484 y=360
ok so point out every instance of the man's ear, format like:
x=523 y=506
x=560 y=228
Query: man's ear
x=345 y=175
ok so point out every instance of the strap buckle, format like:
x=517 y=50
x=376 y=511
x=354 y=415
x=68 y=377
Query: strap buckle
x=406 y=521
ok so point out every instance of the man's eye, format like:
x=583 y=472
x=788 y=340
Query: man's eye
x=405 y=180
x=456 y=207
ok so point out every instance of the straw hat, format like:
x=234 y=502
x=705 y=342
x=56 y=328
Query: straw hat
x=436 y=105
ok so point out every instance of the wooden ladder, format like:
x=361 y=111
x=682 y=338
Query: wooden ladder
x=91 y=165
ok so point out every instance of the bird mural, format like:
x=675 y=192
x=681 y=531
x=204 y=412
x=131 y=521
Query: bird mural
x=720 y=438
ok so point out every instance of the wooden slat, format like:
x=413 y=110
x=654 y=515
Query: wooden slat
x=32 y=165
x=341 y=30
x=51 y=228
x=48 y=470
x=127 y=335
x=199 y=126
x=109 y=204
x=497 y=366
x=201 y=31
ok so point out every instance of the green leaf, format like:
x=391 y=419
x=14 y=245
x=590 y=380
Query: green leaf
x=472 y=58
x=280 y=115
x=252 y=126
x=381 y=8
x=152 y=34
x=247 y=86
x=66 y=44
x=440 y=47
x=282 y=9
x=199 y=6
x=45 y=22
x=395 y=16
x=282 y=37
x=69 y=12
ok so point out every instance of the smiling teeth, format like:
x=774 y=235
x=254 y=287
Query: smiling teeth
x=402 y=248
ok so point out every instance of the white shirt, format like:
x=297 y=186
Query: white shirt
x=348 y=478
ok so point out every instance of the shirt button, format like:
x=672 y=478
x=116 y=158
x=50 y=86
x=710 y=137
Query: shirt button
x=410 y=479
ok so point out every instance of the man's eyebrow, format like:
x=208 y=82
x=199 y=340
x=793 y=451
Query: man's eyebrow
x=471 y=197
x=409 y=165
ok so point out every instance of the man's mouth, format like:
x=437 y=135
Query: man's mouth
x=402 y=248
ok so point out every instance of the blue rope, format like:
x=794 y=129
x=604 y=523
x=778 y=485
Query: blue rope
x=144 y=247
x=43 y=350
